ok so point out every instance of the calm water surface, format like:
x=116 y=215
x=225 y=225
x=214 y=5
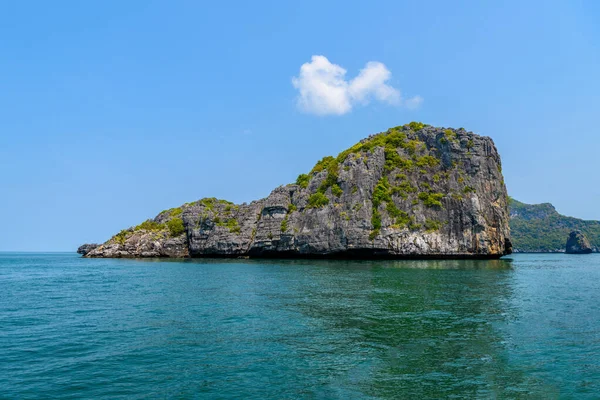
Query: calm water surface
x=526 y=327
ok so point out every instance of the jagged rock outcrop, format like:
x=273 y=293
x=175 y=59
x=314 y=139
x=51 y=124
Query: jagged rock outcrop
x=412 y=191
x=577 y=243
x=86 y=248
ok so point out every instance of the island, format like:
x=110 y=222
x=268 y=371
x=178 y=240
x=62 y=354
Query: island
x=413 y=191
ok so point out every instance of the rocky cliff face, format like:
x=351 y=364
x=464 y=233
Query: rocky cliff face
x=412 y=191
x=577 y=243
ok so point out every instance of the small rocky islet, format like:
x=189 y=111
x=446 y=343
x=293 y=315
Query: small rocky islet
x=86 y=248
x=577 y=243
x=413 y=191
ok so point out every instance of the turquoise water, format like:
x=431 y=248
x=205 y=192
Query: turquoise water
x=527 y=327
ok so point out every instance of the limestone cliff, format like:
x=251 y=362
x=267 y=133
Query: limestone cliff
x=412 y=191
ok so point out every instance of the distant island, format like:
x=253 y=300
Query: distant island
x=412 y=191
x=539 y=228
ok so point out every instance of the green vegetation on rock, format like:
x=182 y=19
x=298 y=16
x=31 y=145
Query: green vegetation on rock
x=211 y=202
x=121 y=237
x=303 y=180
x=149 y=225
x=175 y=227
x=208 y=202
x=317 y=200
x=230 y=223
x=175 y=212
x=431 y=199
x=376 y=222
x=457 y=196
x=403 y=189
x=427 y=161
x=450 y=135
x=383 y=194
x=402 y=218
x=330 y=165
x=336 y=190
x=416 y=126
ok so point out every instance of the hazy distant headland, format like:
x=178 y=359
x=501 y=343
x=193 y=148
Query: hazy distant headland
x=539 y=228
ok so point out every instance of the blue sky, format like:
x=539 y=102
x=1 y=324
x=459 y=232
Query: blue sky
x=113 y=111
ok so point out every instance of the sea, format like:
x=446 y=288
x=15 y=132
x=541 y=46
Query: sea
x=525 y=326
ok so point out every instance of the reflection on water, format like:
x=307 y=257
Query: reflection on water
x=419 y=333
x=521 y=328
x=450 y=264
x=504 y=263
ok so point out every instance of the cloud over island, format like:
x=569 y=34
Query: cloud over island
x=324 y=90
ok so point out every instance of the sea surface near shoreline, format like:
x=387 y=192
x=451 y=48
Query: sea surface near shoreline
x=527 y=326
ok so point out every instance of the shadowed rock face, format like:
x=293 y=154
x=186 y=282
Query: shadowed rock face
x=577 y=243
x=412 y=191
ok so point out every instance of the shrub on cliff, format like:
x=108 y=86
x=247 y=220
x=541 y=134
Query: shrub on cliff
x=175 y=226
x=149 y=225
x=317 y=200
x=303 y=180
x=431 y=199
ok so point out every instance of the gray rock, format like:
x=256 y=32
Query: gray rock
x=86 y=248
x=577 y=243
x=412 y=191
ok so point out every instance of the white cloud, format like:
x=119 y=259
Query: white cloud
x=371 y=82
x=324 y=89
x=413 y=102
